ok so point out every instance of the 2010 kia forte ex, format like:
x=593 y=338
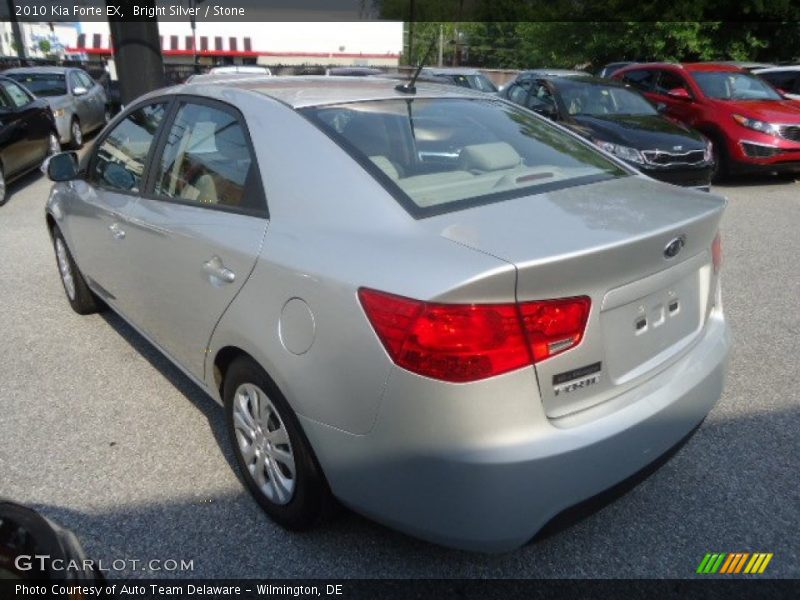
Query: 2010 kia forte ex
x=434 y=306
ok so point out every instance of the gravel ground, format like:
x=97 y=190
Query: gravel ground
x=103 y=435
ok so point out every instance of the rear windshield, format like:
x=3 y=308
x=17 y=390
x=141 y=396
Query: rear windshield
x=42 y=84
x=438 y=155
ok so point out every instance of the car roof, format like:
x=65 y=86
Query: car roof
x=692 y=67
x=451 y=71
x=591 y=79
x=788 y=68
x=551 y=72
x=317 y=90
x=49 y=70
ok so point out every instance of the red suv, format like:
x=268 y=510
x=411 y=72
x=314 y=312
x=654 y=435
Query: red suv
x=752 y=126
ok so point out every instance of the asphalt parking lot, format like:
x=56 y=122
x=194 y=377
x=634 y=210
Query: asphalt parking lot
x=104 y=436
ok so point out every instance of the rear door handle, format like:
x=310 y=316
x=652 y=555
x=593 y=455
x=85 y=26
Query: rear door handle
x=117 y=231
x=217 y=270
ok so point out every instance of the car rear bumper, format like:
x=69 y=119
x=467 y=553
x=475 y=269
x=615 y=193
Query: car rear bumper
x=485 y=471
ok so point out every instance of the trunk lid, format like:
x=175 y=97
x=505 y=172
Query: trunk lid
x=606 y=241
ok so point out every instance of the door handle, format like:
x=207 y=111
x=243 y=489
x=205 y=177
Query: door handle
x=117 y=231
x=217 y=270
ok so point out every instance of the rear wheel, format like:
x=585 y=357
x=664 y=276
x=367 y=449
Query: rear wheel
x=79 y=296
x=76 y=135
x=274 y=457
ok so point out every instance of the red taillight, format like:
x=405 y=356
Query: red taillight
x=553 y=326
x=467 y=342
x=716 y=253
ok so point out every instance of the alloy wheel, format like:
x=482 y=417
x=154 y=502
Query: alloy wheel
x=263 y=443
x=54 y=146
x=65 y=269
x=77 y=134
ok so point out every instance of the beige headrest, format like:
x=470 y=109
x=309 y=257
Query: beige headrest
x=489 y=157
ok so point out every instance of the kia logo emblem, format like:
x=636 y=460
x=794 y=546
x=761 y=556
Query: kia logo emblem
x=672 y=249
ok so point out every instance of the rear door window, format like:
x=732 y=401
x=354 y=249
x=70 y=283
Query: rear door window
x=207 y=160
x=642 y=79
x=672 y=83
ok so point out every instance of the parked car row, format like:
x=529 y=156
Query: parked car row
x=715 y=119
x=42 y=108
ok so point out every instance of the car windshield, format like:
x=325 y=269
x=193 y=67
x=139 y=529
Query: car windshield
x=597 y=99
x=42 y=84
x=733 y=85
x=437 y=155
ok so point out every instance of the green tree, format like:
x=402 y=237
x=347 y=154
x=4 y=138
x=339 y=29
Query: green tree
x=45 y=47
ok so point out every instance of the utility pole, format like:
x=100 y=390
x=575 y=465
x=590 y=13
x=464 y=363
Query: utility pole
x=137 y=55
x=16 y=32
x=441 y=45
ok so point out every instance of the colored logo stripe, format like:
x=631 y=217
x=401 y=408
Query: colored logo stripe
x=734 y=562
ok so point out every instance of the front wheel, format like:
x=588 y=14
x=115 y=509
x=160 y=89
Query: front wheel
x=79 y=296
x=3 y=190
x=274 y=457
x=53 y=144
x=721 y=163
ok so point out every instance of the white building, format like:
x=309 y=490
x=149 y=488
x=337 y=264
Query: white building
x=59 y=36
x=364 y=43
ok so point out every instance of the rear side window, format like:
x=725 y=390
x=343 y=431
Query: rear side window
x=518 y=92
x=16 y=95
x=437 y=155
x=642 y=80
x=207 y=160
x=672 y=83
x=788 y=81
x=121 y=157
x=85 y=80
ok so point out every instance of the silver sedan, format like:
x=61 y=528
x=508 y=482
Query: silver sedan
x=78 y=102
x=442 y=310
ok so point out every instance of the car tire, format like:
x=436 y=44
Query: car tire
x=80 y=297
x=273 y=454
x=3 y=187
x=75 y=134
x=721 y=162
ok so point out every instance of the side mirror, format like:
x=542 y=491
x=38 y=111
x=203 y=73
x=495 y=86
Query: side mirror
x=118 y=176
x=549 y=112
x=679 y=94
x=79 y=90
x=661 y=107
x=62 y=166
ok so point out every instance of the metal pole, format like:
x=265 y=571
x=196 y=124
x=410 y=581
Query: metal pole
x=137 y=55
x=441 y=45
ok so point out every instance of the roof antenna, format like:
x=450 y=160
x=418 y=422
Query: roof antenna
x=408 y=87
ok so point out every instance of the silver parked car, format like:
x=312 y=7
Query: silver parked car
x=446 y=312
x=78 y=102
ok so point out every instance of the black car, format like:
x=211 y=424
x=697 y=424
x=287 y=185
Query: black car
x=462 y=77
x=27 y=133
x=622 y=122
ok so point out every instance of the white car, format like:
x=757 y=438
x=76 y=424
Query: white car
x=785 y=79
x=248 y=69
